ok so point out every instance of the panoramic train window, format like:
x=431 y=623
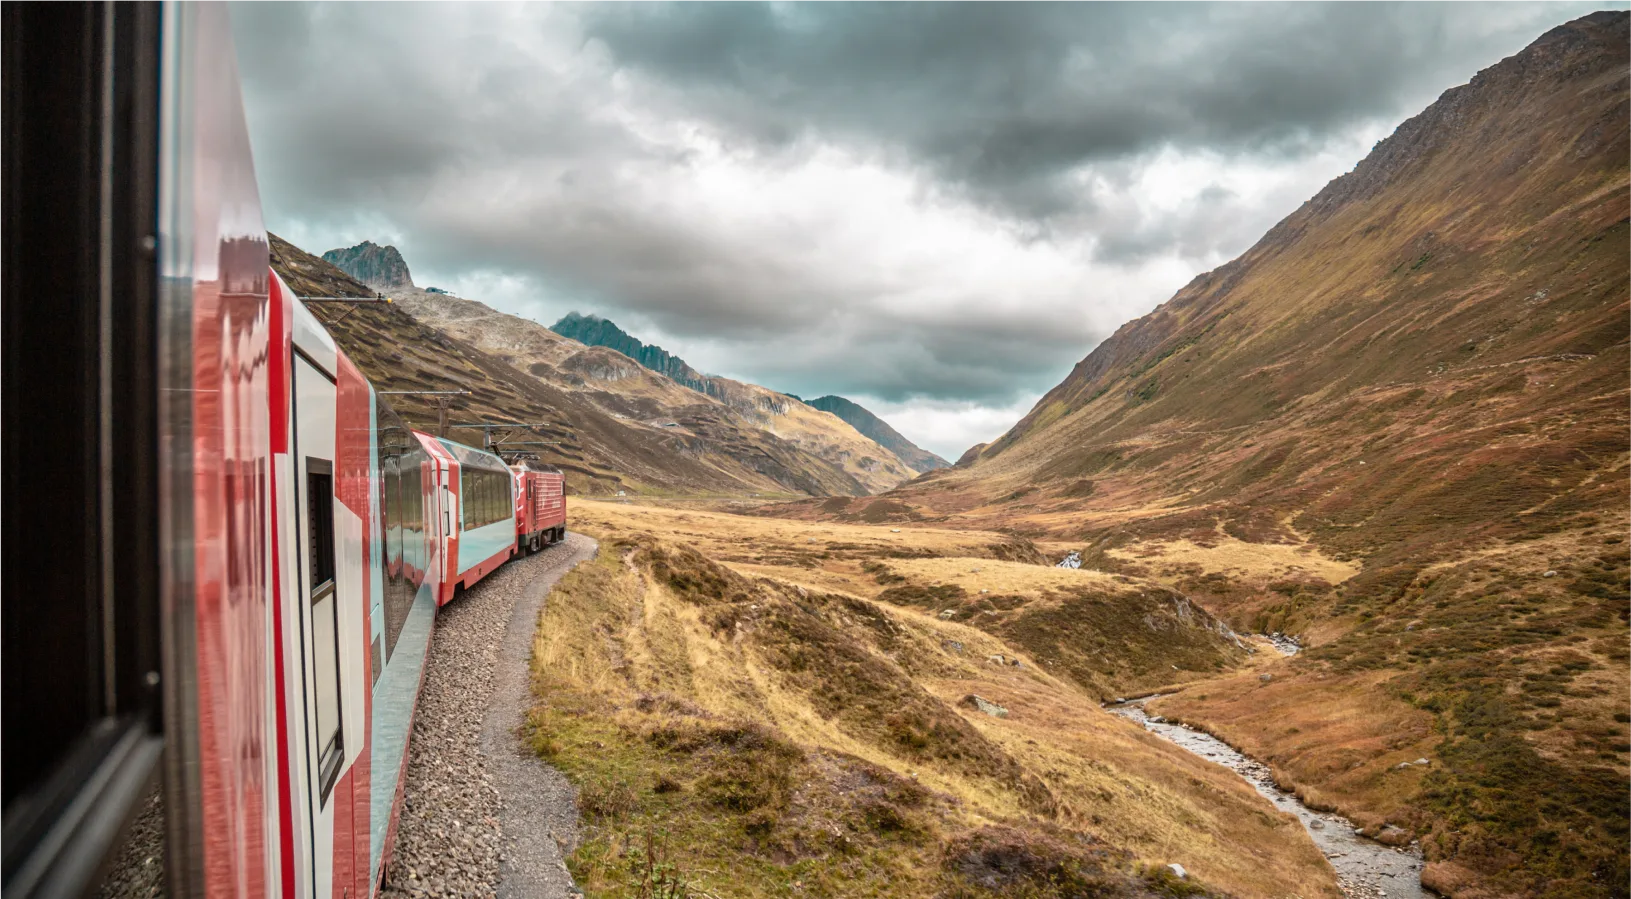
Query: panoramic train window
x=324 y=620
x=401 y=463
x=486 y=497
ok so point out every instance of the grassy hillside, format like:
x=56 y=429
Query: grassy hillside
x=1398 y=427
x=1110 y=636
x=918 y=458
x=747 y=713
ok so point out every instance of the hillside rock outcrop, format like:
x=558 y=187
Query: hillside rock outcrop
x=381 y=268
x=592 y=330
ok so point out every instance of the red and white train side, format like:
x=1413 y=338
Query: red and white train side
x=415 y=521
x=263 y=659
x=491 y=512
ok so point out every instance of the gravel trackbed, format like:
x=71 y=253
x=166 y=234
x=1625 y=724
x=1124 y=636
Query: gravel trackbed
x=481 y=816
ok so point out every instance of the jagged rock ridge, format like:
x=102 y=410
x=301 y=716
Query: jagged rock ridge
x=381 y=268
x=592 y=330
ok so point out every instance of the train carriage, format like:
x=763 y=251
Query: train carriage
x=244 y=615
x=479 y=525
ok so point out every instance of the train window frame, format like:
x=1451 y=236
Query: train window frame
x=81 y=217
x=322 y=559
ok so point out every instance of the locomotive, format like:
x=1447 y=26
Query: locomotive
x=228 y=573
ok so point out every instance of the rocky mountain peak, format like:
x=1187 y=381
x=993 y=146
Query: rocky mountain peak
x=381 y=268
x=593 y=330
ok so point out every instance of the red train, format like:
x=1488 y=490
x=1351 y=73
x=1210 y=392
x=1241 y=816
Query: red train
x=505 y=511
x=228 y=572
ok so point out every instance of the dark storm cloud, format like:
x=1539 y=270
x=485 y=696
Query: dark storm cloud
x=770 y=319
x=1003 y=98
x=951 y=202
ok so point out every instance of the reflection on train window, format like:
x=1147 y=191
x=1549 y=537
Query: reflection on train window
x=401 y=461
x=324 y=621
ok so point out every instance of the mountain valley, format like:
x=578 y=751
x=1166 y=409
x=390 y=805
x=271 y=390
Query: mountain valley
x=1396 y=427
x=812 y=658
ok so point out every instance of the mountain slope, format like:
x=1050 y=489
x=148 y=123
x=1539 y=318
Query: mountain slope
x=868 y=459
x=859 y=417
x=381 y=268
x=1422 y=372
x=761 y=430
x=600 y=452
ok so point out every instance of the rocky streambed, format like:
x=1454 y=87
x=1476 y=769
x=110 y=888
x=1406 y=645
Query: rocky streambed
x=1365 y=868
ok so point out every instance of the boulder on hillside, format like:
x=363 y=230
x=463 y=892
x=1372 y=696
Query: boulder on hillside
x=984 y=705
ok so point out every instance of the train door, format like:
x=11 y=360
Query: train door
x=328 y=536
x=529 y=518
x=428 y=480
x=452 y=524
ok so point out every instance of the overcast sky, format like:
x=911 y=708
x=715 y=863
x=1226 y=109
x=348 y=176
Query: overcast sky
x=934 y=210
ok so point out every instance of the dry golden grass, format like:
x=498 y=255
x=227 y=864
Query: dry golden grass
x=729 y=535
x=1012 y=578
x=1112 y=634
x=1133 y=789
x=823 y=555
x=1168 y=560
x=618 y=630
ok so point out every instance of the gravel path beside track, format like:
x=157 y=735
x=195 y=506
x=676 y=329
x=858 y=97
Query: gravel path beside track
x=471 y=798
x=540 y=813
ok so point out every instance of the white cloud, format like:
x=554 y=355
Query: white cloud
x=949 y=427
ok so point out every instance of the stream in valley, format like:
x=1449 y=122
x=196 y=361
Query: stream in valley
x=1365 y=868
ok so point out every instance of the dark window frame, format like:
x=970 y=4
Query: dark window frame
x=322 y=558
x=80 y=316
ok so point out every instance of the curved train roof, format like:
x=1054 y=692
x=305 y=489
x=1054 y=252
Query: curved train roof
x=471 y=457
